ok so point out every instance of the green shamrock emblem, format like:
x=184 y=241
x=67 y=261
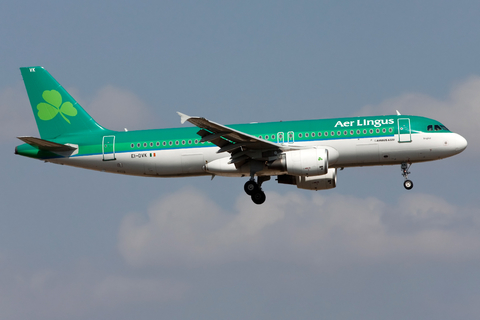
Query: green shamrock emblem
x=48 y=111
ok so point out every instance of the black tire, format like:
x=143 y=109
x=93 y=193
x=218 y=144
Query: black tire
x=408 y=184
x=250 y=187
x=259 y=197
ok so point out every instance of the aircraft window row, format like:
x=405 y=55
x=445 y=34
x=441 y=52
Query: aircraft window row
x=267 y=137
x=436 y=127
x=164 y=143
x=300 y=135
x=345 y=133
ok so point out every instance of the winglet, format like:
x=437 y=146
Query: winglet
x=398 y=113
x=183 y=117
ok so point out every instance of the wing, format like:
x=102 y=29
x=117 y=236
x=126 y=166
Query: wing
x=240 y=145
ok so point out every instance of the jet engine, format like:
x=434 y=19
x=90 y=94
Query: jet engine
x=323 y=182
x=303 y=162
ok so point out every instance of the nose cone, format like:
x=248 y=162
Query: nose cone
x=460 y=143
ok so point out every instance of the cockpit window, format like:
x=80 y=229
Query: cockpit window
x=430 y=128
x=444 y=128
x=437 y=127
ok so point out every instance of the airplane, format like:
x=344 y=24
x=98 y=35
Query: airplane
x=305 y=153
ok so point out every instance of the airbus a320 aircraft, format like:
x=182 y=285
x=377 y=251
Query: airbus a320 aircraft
x=303 y=153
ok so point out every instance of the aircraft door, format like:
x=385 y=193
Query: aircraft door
x=290 y=137
x=404 y=130
x=108 y=148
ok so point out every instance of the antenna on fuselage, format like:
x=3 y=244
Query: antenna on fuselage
x=398 y=113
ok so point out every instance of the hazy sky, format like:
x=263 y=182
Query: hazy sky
x=77 y=244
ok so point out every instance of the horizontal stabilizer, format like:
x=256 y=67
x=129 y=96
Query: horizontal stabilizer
x=46 y=145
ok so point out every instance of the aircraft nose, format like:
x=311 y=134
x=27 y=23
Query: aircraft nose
x=460 y=143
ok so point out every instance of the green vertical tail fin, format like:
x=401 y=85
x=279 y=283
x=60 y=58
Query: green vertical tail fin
x=55 y=110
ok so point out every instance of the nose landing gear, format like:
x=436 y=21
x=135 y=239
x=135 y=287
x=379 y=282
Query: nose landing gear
x=254 y=189
x=408 y=184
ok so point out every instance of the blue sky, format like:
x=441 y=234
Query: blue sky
x=79 y=244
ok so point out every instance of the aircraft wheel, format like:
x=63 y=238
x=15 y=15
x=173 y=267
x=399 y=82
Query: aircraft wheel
x=408 y=184
x=250 y=187
x=259 y=197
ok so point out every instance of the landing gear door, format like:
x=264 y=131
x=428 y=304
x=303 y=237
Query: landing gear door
x=108 y=147
x=404 y=130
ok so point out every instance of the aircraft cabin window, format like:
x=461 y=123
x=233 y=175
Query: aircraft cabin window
x=144 y=144
x=273 y=137
x=266 y=137
x=170 y=143
x=358 y=131
x=196 y=141
x=299 y=135
x=151 y=144
x=371 y=130
x=138 y=145
x=260 y=137
x=319 y=134
x=313 y=134
x=332 y=133
x=390 y=130
x=132 y=145
x=345 y=132
x=164 y=143
x=326 y=133
x=183 y=141
x=437 y=127
x=339 y=133
x=306 y=135
x=351 y=132
x=176 y=142
x=384 y=130
x=364 y=131
x=378 y=130
x=189 y=141
x=430 y=128
x=158 y=143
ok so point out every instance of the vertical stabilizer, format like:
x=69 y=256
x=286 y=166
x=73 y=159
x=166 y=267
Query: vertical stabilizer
x=55 y=110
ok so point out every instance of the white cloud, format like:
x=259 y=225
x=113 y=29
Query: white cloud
x=460 y=112
x=116 y=108
x=188 y=229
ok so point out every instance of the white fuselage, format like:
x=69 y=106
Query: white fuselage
x=353 y=152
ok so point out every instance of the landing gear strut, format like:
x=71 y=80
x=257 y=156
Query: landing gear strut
x=408 y=184
x=254 y=189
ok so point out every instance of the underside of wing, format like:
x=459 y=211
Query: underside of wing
x=240 y=145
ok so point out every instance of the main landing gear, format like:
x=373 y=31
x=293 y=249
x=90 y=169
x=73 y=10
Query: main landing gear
x=408 y=184
x=254 y=189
